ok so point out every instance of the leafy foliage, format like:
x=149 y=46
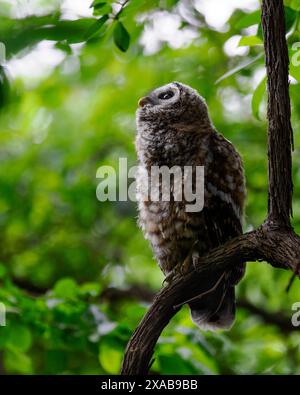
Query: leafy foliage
x=61 y=248
x=121 y=37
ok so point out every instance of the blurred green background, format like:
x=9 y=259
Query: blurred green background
x=76 y=275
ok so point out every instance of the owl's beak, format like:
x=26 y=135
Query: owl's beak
x=144 y=100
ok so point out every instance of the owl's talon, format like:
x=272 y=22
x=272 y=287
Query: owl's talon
x=166 y=280
x=195 y=259
x=186 y=266
x=179 y=270
x=173 y=273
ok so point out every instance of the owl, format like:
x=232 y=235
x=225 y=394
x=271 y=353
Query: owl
x=174 y=129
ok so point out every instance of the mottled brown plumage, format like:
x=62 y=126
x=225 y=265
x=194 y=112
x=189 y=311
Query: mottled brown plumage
x=174 y=128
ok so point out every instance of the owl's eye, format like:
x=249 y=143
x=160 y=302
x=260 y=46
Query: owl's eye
x=166 y=95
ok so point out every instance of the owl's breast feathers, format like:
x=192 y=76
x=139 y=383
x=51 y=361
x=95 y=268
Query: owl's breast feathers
x=171 y=230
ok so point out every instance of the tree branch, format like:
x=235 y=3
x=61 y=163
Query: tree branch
x=280 y=133
x=274 y=242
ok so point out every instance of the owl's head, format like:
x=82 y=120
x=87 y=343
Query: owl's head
x=174 y=102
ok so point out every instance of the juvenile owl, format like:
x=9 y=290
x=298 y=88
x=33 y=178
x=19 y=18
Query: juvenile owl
x=174 y=129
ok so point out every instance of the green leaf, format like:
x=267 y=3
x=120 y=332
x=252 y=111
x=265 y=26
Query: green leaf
x=295 y=72
x=239 y=68
x=97 y=3
x=71 y=31
x=19 y=337
x=260 y=32
x=3 y=270
x=102 y=8
x=250 y=41
x=110 y=358
x=90 y=289
x=250 y=19
x=66 y=288
x=64 y=46
x=294 y=4
x=96 y=27
x=16 y=362
x=290 y=17
x=4 y=87
x=121 y=37
x=257 y=97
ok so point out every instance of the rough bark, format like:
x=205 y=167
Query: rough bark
x=274 y=241
x=280 y=134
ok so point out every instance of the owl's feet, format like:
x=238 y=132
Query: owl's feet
x=179 y=270
x=184 y=267
x=174 y=273
x=195 y=258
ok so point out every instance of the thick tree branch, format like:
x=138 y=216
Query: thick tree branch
x=274 y=242
x=280 y=134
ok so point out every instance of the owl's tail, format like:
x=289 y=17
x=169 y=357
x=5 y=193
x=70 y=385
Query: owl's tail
x=215 y=309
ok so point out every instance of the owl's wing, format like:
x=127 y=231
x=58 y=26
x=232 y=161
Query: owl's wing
x=219 y=221
x=224 y=195
x=217 y=308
